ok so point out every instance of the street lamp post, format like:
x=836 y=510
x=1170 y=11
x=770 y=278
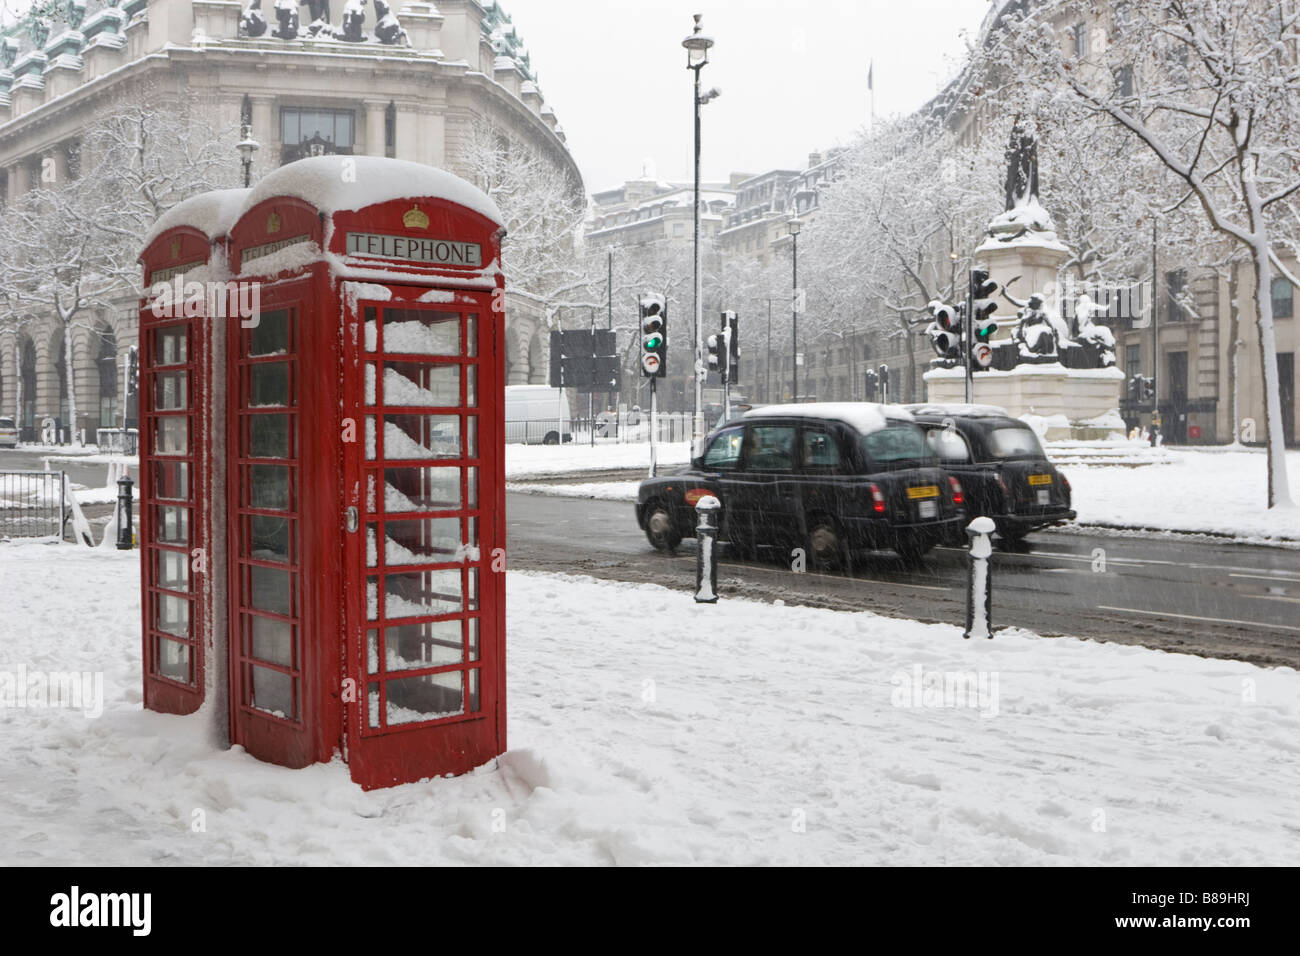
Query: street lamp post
x=795 y=225
x=697 y=56
x=247 y=147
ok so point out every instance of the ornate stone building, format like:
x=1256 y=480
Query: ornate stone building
x=409 y=82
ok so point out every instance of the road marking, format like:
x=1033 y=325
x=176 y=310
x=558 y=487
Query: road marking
x=1272 y=597
x=1193 y=617
x=1268 y=577
x=816 y=574
x=1175 y=564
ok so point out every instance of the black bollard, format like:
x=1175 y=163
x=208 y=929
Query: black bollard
x=706 y=559
x=125 y=535
x=979 y=589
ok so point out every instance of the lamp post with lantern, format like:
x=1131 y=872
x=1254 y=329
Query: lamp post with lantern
x=697 y=56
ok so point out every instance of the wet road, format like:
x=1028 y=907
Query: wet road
x=1176 y=593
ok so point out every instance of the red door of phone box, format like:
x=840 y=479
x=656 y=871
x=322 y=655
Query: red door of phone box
x=364 y=498
x=182 y=260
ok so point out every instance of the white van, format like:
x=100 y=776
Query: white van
x=537 y=415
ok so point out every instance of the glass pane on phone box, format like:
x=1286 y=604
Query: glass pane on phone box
x=422 y=594
x=269 y=487
x=421 y=489
x=172 y=524
x=428 y=644
x=169 y=391
x=171 y=347
x=271 y=691
x=173 y=570
x=269 y=590
x=408 y=437
x=271 y=640
x=268 y=436
x=426 y=541
x=413 y=384
x=269 y=538
x=173 y=659
x=268 y=385
x=171 y=480
x=271 y=334
x=415 y=699
x=420 y=332
x=172 y=435
x=173 y=615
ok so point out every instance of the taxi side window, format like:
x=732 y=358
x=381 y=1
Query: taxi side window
x=820 y=450
x=771 y=448
x=724 y=452
x=948 y=444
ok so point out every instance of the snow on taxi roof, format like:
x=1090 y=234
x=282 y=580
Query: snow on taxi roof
x=864 y=416
x=958 y=408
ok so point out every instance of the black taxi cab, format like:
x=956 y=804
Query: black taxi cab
x=831 y=478
x=1002 y=466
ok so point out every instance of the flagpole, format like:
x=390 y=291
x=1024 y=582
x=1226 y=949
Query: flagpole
x=871 y=90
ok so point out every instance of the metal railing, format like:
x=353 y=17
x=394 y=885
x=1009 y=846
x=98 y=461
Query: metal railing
x=32 y=504
x=608 y=429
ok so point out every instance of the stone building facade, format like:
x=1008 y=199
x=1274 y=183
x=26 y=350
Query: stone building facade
x=416 y=94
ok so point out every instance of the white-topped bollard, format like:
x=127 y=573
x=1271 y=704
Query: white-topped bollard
x=706 y=538
x=979 y=592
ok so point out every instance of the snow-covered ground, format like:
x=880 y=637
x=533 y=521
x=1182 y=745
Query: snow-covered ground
x=525 y=461
x=1218 y=492
x=647 y=729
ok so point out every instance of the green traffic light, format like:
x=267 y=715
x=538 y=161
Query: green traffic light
x=653 y=342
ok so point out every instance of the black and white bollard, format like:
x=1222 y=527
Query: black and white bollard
x=125 y=524
x=706 y=538
x=979 y=591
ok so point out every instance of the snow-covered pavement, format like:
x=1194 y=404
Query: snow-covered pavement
x=647 y=729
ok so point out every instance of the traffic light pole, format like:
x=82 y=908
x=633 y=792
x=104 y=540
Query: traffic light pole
x=697 y=429
x=654 y=425
x=968 y=343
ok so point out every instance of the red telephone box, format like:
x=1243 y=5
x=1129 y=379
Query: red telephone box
x=364 y=453
x=176 y=425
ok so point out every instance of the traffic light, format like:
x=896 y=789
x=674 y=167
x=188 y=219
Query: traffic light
x=945 y=330
x=1148 y=388
x=1135 y=388
x=872 y=383
x=983 y=305
x=717 y=356
x=731 y=329
x=654 y=336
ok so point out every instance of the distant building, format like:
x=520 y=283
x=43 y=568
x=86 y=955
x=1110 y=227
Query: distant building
x=413 y=95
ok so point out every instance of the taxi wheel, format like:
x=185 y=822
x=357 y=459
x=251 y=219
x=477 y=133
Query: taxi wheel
x=659 y=529
x=826 y=547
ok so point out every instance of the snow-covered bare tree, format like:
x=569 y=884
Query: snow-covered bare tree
x=898 y=229
x=1211 y=88
x=543 y=208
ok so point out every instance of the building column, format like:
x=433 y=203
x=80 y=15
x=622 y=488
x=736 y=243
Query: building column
x=408 y=133
x=8 y=375
x=47 y=377
x=19 y=180
x=85 y=381
x=375 y=111
x=266 y=130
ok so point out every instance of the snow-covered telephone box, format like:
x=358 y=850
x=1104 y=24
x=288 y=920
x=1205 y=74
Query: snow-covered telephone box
x=357 y=507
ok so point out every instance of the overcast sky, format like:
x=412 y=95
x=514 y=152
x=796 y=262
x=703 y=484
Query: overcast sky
x=793 y=75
